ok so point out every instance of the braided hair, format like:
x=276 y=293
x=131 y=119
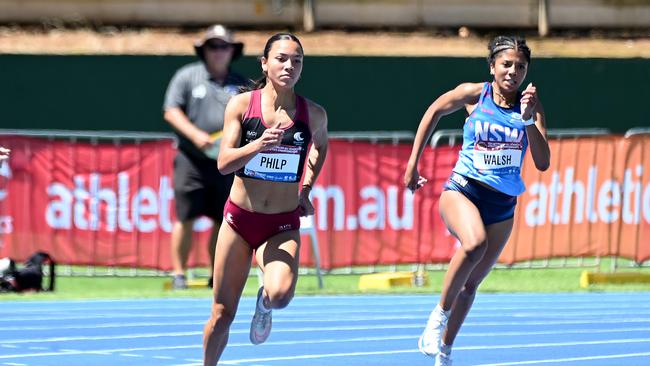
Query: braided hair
x=502 y=43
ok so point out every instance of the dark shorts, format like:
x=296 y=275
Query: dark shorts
x=199 y=188
x=492 y=205
x=256 y=228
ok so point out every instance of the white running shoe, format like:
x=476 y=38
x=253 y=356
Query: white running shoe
x=261 y=323
x=442 y=360
x=431 y=338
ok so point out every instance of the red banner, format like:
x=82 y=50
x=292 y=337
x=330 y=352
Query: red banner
x=88 y=204
x=365 y=215
x=112 y=204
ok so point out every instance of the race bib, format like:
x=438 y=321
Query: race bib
x=496 y=156
x=279 y=164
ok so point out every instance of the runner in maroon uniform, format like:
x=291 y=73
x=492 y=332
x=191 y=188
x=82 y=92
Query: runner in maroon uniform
x=266 y=141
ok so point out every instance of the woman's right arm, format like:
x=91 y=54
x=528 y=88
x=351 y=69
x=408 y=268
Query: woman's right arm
x=453 y=100
x=232 y=157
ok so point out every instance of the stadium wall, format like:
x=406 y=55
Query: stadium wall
x=359 y=93
x=346 y=13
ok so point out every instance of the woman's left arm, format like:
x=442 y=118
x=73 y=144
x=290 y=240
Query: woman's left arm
x=536 y=132
x=316 y=157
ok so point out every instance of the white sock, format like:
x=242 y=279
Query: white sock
x=262 y=305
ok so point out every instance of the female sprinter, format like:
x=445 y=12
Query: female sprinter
x=266 y=140
x=478 y=201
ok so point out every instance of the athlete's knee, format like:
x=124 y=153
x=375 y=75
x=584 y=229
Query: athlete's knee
x=220 y=317
x=474 y=246
x=279 y=295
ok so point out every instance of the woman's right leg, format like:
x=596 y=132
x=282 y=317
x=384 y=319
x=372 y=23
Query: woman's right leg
x=232 y=263
x=464 y=222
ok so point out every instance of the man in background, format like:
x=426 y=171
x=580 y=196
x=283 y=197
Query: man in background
x=194 y=106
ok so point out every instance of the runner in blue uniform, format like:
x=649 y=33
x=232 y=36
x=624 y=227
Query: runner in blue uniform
x=478 y=201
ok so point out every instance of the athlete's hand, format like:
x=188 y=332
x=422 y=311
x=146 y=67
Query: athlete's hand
x=413 y=180
x=305 y=208
x=528 y=101
x=271 y=137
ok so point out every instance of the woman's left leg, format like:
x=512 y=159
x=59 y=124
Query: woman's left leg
x=279 y=259
x=497 y=235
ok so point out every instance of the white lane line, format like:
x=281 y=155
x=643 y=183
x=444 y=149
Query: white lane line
x=163 y=357
x=554 y=344
x=367 y=339
x=198 y=346
x=96 y=338
x=318 y=300
x=329 y=319
x=130 y=355
x=460 y=348
x=568 y=359
x=306 y=357
x=534 y=345
x=554 y=332
x=340 y=328
x=127 y=351
x=359 y=307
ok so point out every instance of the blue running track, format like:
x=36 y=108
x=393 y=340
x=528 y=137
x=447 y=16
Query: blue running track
x=591 y=329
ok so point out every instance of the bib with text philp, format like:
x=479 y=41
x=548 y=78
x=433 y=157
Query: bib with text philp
x=278 y=164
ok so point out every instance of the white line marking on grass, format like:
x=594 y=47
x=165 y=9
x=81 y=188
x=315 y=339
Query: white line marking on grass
x=569 y=359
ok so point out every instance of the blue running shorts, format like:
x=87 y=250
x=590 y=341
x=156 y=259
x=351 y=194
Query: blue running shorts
x=493 y=206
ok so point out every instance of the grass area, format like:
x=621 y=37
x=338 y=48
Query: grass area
x=500 y=280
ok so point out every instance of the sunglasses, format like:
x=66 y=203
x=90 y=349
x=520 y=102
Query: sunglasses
x=218 y=45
